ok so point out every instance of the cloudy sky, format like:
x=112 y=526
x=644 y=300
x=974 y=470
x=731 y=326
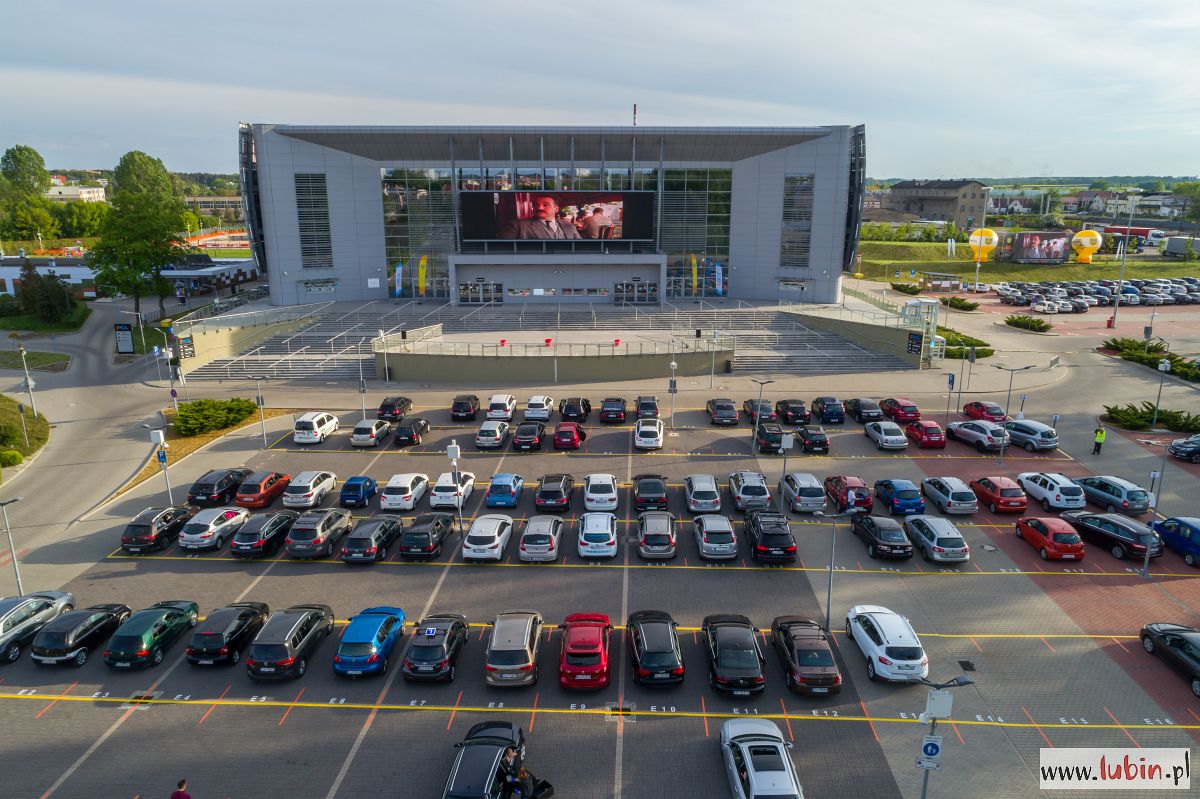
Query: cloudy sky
x=946 y=87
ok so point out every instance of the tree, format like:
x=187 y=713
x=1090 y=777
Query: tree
x=139 y=238
x=1153 y=186
x=27 y=217
x=1189 y=192
x=25 y=171
x=80 y=219
x=1098 y=185
x=139 y=173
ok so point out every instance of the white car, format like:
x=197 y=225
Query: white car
x=757 y=762
x=488 y=538
x=539 y=408
x=403 y=491
x=212 y=527
x=1052 y=491
x=1064 y=306
x=600 y=492
x=888 y=642
x=886 y=435
x=1129 y=298
x=491 y=435
x=501 y=407
x=1045 y=306
x=446 y=494
x=702 y=492
x=307 y=489
x=597 y=535
x=648 y=434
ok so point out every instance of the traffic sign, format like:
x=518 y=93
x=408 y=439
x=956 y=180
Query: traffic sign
x=950 y=379
x=929 y=764
x=1024 y=398
x=20 y=408
x=157 y=351
x=174 y=393
x=931 y=746
x=1054 y=420
x=162 y=456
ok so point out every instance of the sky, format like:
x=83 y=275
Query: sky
x=946 y=88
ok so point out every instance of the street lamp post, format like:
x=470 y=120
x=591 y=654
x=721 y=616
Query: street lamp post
x=1164 y=366
x=1008 y=401
x=11 y=547
x=932 y=718
x=452 y=452
x=28 y=381
x=833 y=517
x=362 y=390
x=671 y=391
x=1124 y=253
x=159 y=439
x=757 y=414
x=258 y=399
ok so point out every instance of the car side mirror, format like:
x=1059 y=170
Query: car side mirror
x=789 y=744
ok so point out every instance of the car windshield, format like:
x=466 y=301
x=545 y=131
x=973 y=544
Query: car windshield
x=359 y=541
x=811 y=492
x=303 y=534
x=1138 y=495
x=951 y=543
x=488 y=432
x=415 y=539
x=355 y=650
x=771 y=437
x=480 y=539
x=647 y=406
x=527 y=430
x=1070 y=491
x=766 y=758
x=195 y=529
x=704 y=493
x=908 y=493
x=719 y=537
x=1049 y=434
x=364 y=429
x=297 y=488
x=658 y=660
x=395 y=491
x=814 y=657
x=426 y=653
x=551 y=493
x=536 y=539
x=612 y=405
x=202 y=488
x=817 y=437
x=1011 y=492
x=657 y=539
x=444 y=488
x=1066 y=538
x=583 y=658
x=737 y=659
x=962 y=496
x=909 y=408
x=754 y=490
x=727 y=407
x=498 y=406
x=600 y=488
x=892 y=534
x=52 y=640
x=125 y=643
x=268 y=652
x=904 y=652
x=304 y=425
x=1145 y=539
x=250 y=488
x=405 y=430
x=508 y=657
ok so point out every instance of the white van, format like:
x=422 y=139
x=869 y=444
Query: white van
x=314 y=427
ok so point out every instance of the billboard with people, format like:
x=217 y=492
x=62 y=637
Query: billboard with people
x=1041 y=247
x=557 y=215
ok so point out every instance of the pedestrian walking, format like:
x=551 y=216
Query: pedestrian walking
x=1098 y=439
x=181 y=793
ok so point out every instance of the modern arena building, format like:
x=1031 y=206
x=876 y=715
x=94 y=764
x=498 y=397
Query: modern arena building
x=552 y=214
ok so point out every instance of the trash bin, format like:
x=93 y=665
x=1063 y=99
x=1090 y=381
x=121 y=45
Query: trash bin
x=1109 y=322
x=729 y=367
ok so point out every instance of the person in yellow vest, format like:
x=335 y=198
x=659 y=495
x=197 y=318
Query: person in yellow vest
x=1099 y=437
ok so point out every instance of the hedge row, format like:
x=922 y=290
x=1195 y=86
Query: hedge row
x=1028 y=323
x=1135 y=350
x=206 y=415
x=959 y=304
x=1138 y=417
x=907 y=288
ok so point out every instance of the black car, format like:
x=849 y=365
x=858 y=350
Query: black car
x=575 y=409
x=72 y=636
x=647 y=407
x=804 y=652
x=792 y=411
x=217 y=487
x=769 y=537
x=529 y=436
x=262 y=534
x=864 y=410
x=434 y=648
x=1187 y=449
x=1123 y=536
x=425 y=536
x=649 y=492
x=883 y=536
x=484 y=763
x=735 y=660
x=283 y=646
x=753 y=409
x=613 y=409
x=393 y=408
x=812 y=438
x=654 y=648
x=1178 y=646
x=721 y=411
x=554 y=492
x=225 y=632
x=410 y=431
x=156 y=528
x=768 y=437
x=464 y=406
x=370 y=540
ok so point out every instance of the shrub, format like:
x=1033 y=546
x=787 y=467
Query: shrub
x=10 y=306
x=959 y=304
x=906 y=288
x=1138 y=417
x=203 y=416
x=956 y=339
x=1028 y=323
x=963 y=352
x=10 y=457
x=1135 y=350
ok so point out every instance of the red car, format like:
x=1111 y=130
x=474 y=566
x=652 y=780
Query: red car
x=1000 y=494
x=926 y=434
x=900 y=409
x=569 y=435
x=1053 y=538
x=261 y=488
x=583 y=662
x=988 y=411
x=846 y=491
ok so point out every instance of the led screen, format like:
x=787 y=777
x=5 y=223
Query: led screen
x=1050 y=247
x=557 y=215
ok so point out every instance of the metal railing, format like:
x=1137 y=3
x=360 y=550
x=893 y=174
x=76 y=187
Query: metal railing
x=631 y=348
x=240 y=357
x=337 y=354
x=396 y=310
x=336 y=336
x=469 y=314
x=356 y=310
x=275 y=366
x=391 y=342
x=267 y=316
x=436 y=311
x=219 y=305
x=878 y=302
x=877 y=318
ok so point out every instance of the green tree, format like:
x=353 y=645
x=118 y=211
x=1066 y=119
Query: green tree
x=25 y=171
x=29 y=287
x=1098 y=185
x=79 y=219
x=1153 y=186
x=1189 y=192
x=138 y=239
x=27 y=216
x=143 y=174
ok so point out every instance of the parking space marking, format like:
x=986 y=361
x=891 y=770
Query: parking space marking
x=1036 y=727
x=213 y=707
x=55 y=702
x=1127 y=733
x=1042 y=638
x=976 y=643
x=289 y=707
x=787 y=720
x=958 y=734
x=704 y=715
x=457 y=702
x=1118 y=643
x=533 y=713
x=867 y=716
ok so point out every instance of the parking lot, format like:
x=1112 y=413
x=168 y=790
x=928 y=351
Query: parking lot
x=1052 y=648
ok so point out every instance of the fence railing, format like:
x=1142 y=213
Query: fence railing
x=625 y=349
x=397 y=342
x=266 y=316
x=878 y=302
x=877 y=318
x=218 y=305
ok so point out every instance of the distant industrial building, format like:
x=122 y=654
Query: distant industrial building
x=959 y=201
x=71 y=194
x=225 y=207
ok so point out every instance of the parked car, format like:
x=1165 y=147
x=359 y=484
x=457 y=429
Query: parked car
x=1181 y=534
x=1120 y=535
x=1178 y=646
x=368 y=640
x=478 y=770
x=988 y=411
x=950 y=495
x=1115 y=494
x=434 y=648
x=613 y=409
x=792 y=411
x=937 y=538
x=143 y=640
x=768 y=437
x=721 y=411
x=504 y=490
x=393 y=409
x=805 y=655
x=886 y=435
x=225 y=633
x=512 y=651
x=984 y=436
x=812 y=439
x=883 y=536
x=757 y=763
x=370 y=433
x=899 y=496
x=21 y=617
x=403 y=491
x=583 y=659
x=597 y=535
x=488 y=538
x=1031 y=435
x=735 y=659
x=649 y=492
x=308 y=489
x=426 y=535
x=290 y=637
x=357 y=491
x=1000 y=494
x=491 y=435
x=541 y=539
x=647 y=407
x=501 y=407
x=864 y=409
x=554 y=492
x=410 y=431
x=575 y=409
x=648 y=434
x=212 y=527
x=654 y=649
x=371 y=540
x=848 y=491
x=529 y=436
x=569 y=435
x=802 y=492
x=262 y=534
x=702 y=493
x=1054 y=539
x=748 y=489
x=828 y=410
x=1187 y=449
x=656 y=535
x=464 y=406
x=1053 y=491
x=316 y=533
x=600 y=492
x=756 y=410
x=451 y=491
x=888 y=642
x=715 y=538
x=900 y=409
x=156 y=528
x=70 y=637
x=217 y=487
x=926 y=434
x=769 y=537
x=539 y=408
x=314 y=427
x=260 y=489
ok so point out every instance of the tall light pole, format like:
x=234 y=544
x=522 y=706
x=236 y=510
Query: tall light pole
x=757 y=414
x=1008 y=401
x=1124 y=253
x=28 y=381
x=932 y=717
x=1164 y=366
x=362 y=390
x=11 y=548
x=833 y=517
x=258 y=399
x=158 y=438
x=452 y=452
x=672 y=391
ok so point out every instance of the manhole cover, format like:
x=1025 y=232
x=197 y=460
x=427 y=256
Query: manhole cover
x=989 y=547
x=141 y=700
x=615 y=711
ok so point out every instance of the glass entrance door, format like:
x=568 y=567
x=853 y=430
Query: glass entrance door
x=480 y=293
x=641 y=293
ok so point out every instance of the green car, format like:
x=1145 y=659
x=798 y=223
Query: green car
x=143 y=639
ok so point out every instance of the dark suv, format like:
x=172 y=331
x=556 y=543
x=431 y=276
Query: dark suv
x=425 y=536
x=482 y=767
x=864 y=409
x=217 y=487
x=465 y=406
x=283 y=646
x=613 y=409
x=434 y=648
x=647 y=407
x=721 y=411
x=575 y=409
x=828 y=410
x=155 y=528
x=735 y=660
x=554 y=492
x=316 y=533
x=371 y=540
x=649 y=492
x=769 y=537
x=883 y=536
x=225 y=632
x=410 y=431
x=768 y=437
x=393 y=408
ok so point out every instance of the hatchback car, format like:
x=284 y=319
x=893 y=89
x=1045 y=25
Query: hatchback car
x=757 y=763
x=926 y=434
x=368 y=640
x=575 y=409
x=393 y=409
x=411 y=431
x=434 y=648
x=984 y=436
x=702 y=493
x=21 y=617
x=426 y=535
x=218 y=487
x=1178 y=646
x=886 y=435
x=541 y=540
x=452 y=490
x=403 y=491
x=721 y=411
x=792 y=411
x=225 y=633
x=539 y=408
x=597 y=535
x=883 y=536
x=864 y=409
x=654 y=649
x=613 y=409
x=802 y=492
x=769 y=537
x=260 y=489
x=1054 y=539
x=308 y=489
x=73 y=635
x=262 y=534
x=1052 y=491
x=463 y=407
x=649 y=492
x=656 y=535
x=1181 y=534
x=370 y=433
x=144 y=638
x=371 y=540
x=569 y=435
x=554 y=492
x=504 y=490
x=1120 y=535
x=600 y=492
x=1115 y=494
x=488 y=538
x=583 y=659
x=491 y=753
x=768 y=437
x=1033 y=436
x=529 y=436
x=290 y=637
x=512 y=650
x=357 y=491
x=647 y=407
x=899 y=496
x=812 y=439
x=749 y=490
x=988 y=411
x=316 y=533
x=756 y=410
x=501 y=407
x=715 y=537
x=156 y=528
x=848 y=491
x=900 y=409
x=492 y=435
x=806 y=656
x=937 y=538
x=950 y=495
x=999 y=494
x=212 y=527
x=888 y=642
x=735 y=659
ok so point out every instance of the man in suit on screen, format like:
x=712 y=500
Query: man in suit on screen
x=544 y=224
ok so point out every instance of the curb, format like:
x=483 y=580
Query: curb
x=25 y=464
x=1022 y=330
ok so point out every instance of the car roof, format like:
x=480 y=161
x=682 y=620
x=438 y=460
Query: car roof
x=504 y=477
x=595 y=520
x=899 y=482
x=404 y=478
x=209 y=514
x=600 y=477
x=953 y=483
x=550 y=479
x=637 y=478
x=1001 y=481
x=147 y=515
x=715 y=521
x=356 y=479
x=940 y=524
x=306 y=477
x=489 y=523
x=727 y=619
x=542 y=398
x=258 y=477
x=363 y=627
x=702 y=480
x=492 y=424
x=541 y=525
x=747 y=476
x=499 y=398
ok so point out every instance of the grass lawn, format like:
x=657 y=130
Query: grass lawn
x=10 y=427
x=36 y=360
x=1145 y=266
x=218 y=255
x=31 y=323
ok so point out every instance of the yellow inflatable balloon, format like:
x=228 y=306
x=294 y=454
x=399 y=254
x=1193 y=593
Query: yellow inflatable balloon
x=1085 y=243
x=982 y=242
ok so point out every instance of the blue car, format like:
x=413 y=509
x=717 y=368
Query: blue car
x=504 y=490
x=899 y=496
x=828 y=410
x=357 y=492
x=1181 y=534
x=367 y=642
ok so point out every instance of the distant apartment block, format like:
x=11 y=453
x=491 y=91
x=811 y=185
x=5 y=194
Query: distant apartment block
x=959 y=201
x=71 y=194
x=216 y=206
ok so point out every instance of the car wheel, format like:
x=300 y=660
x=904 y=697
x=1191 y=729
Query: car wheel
x=992 y=507
x=1046 y=505
x=235 y=658
x=384 y=666
x=712 y=681
x=1029 y=447
x=1148 y=644
x=950 y=434
x=870 y=552
x=925 y=554
x=192 y=619
x=453 y=671
x=871 y=675
x=849 y=632
x=1196 y=458
x=303 y=667
x=157 y=657
x=980 y=448
x=1118 y=552
x=1196 y=686
x=791 y=682
x=12 y=652
x=878 y=445
x=1189 y=559
x=80 y=657
x=1017 y=528
x=1044 y=554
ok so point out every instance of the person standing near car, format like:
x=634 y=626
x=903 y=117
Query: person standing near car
x=181 y=792
x=1098 y=439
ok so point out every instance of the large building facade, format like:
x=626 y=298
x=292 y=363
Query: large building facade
x=526 y=214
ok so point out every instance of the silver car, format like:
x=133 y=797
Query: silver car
x=937 y=538
x=22 y=616
x=1031 y=435
x=950 y=494
x=757 y=760
x=492 y=435
x=886 y=435
x=541 y=539
x=702 y=492
x=370 y=433
x=212 y=527
x=982 y=434
x=749 y=490
x=511 y=658
x=656 y=535
x=803 y=492
x=715 y=537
